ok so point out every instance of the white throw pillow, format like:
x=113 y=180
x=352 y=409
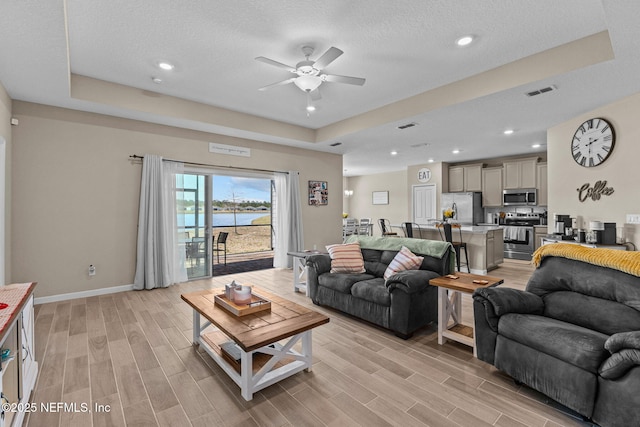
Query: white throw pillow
x=346 y=258
x=404 y=260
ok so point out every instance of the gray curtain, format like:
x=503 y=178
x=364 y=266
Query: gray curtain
x=160 y=260
x=288 y=229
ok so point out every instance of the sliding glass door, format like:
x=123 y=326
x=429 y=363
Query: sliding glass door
x=193 y=209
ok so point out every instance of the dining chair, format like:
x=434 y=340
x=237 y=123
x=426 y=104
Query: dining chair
x=385 y=227
x=349 y=227
x=216 y=249
x=447 y=228
x=364 y=227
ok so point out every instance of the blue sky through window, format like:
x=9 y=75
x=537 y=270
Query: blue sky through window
x=244 y=189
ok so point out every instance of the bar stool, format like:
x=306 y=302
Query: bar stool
x=411 y=229
x=457 y=246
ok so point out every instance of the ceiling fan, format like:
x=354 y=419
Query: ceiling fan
x=309 y=75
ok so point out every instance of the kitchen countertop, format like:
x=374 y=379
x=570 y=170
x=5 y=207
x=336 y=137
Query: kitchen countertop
x=476 y=229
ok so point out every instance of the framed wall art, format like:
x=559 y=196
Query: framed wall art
x=318 y=193
x=380 y=198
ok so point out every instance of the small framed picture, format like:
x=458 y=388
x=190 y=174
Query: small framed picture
x=318 y=193
x=380 y=198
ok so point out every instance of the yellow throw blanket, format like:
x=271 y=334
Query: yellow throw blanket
x=625 y=261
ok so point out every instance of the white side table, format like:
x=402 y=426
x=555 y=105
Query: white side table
x=300 y=270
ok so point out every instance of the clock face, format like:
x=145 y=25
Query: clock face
x=593 y=142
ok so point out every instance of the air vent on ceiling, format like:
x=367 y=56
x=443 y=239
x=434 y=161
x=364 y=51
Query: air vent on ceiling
x=541 y=91
x=335 y=144
x=408 y=125
x=422 y=144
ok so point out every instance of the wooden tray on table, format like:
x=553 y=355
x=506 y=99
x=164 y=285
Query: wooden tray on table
x=257 y=304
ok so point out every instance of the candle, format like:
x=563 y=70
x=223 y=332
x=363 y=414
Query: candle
x=242 y=295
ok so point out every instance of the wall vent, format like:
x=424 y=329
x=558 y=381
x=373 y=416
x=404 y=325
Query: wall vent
x=541 y=91
x=408 y=125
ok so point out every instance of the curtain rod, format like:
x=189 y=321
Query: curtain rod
x=135 y=156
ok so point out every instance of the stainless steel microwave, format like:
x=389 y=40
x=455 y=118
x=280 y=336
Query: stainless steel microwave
x=520 y=197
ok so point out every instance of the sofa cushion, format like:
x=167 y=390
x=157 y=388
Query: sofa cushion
x=341 y=282
x=573 y=344
x=372 y=290
x=346 y=258
x=404 y=260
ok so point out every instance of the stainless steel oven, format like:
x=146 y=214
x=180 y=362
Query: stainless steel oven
x=520 y=197
x=519 y=235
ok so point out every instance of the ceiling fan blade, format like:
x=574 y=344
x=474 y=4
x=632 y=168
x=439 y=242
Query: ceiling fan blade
x=327 y=58
x=315 y=95
x=344 y=79
x=276 y=63
x=284 y=82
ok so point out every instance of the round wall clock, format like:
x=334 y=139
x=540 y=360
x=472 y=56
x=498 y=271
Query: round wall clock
x=593 y=142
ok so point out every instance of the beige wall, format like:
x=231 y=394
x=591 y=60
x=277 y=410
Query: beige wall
x=360 y=204
x=620 y=170
x=75 y=192
x=5 y=133
x=399 y=184
x=439 y=177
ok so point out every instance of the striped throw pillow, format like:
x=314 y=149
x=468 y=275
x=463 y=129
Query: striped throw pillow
x=346 y=258
x=404 y=260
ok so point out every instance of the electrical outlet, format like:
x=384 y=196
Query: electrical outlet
x=633 y=218
x=92 y=270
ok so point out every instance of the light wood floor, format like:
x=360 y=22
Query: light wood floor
x=132 y=351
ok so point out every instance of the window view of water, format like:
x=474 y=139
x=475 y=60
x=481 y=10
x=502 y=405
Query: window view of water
x=221 y=219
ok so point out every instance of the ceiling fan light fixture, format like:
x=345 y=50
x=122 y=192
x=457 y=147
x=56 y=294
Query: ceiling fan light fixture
x=308 y=83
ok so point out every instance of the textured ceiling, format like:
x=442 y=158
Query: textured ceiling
x=403 y=49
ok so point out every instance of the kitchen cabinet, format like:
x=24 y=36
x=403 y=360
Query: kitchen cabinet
x=19 y=369
x=541 y=184
x=492 y=187
x=465 y=178
x=541 y=232
x=484 y=243
x=456 y=179
x=520 y=173
x=495 y=249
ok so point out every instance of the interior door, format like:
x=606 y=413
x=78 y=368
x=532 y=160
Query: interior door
x=424 y=203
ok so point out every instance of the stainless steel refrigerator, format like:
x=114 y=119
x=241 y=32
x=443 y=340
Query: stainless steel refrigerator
x=467 y=206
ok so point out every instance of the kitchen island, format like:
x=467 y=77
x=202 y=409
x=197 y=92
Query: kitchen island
x=485 y=244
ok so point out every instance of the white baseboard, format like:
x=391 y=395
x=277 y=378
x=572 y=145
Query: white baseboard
x=83 y=294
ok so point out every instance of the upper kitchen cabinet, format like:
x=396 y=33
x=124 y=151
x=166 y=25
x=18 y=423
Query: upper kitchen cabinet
x=520 y=173
x=542 y=184
x=465 y=178
x=492 y=187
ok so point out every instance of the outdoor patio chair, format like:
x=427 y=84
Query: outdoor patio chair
x=216 y=249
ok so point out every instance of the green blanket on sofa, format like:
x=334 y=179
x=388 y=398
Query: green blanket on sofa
x=434 y=248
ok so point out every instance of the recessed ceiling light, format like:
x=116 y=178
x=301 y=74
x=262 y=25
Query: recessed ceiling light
x=536 y=146
x=166 y=66
x=508 y=131
x=464 y=41
x=156 y=80
x=430 y=160
x=456 y=151
x=311 y=108
x=394 y=153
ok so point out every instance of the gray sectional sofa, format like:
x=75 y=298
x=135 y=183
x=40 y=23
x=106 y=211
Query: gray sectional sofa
x=403 y=303
x=573 y=334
